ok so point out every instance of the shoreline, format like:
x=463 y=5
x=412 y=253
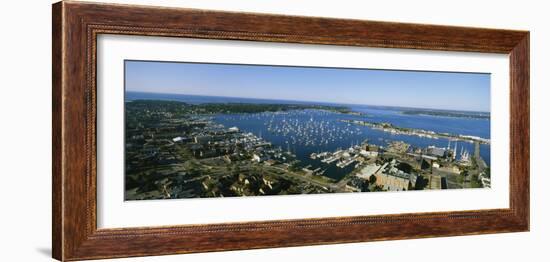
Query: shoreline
x=390 y=128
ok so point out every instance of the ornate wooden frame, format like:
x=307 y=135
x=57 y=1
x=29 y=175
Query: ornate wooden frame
x=76 y=26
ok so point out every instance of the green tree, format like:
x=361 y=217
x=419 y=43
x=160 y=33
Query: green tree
x=460 y=179
x=372 y=179
x=474 y=181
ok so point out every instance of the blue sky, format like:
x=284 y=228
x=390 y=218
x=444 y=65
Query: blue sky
x=441 y=90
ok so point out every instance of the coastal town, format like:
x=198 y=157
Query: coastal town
x=178 y=150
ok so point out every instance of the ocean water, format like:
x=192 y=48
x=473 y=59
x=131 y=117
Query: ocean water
x=311 y=131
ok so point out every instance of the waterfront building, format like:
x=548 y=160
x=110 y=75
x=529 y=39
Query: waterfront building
x=434 y=182
x=393 y=182
x=368 y=153
x=485 y=180
x=436 y=151
x=388 y=176
x=369 y=170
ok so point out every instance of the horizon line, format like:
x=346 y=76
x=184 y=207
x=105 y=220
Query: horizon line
x=310 y=101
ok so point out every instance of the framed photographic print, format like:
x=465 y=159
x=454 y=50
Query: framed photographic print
x=183 y=130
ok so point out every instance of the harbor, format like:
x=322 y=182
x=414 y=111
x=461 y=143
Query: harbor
x=308 y=132
x=288 y=149
x=200 y=130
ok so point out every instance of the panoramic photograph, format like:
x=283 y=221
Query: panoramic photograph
x=203 y=130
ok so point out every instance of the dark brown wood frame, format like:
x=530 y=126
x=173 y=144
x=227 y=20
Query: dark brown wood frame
x=76 y=26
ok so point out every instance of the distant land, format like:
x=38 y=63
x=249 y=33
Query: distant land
x=207 y=99
x=445 y=113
